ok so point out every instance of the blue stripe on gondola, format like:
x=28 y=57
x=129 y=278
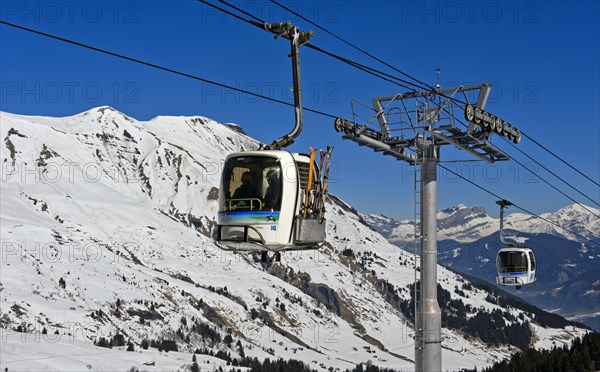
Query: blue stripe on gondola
x=249 y=217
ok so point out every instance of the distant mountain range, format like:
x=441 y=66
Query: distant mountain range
x=568 y=276
x=468 y=224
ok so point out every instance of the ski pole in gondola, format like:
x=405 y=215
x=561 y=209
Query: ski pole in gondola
x=311 y=170
x=325 y=183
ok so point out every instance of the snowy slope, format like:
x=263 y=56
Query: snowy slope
x=30 y=352
x=105 y=226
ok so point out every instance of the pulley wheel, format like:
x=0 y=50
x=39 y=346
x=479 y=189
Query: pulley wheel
x=338 y=124
x=348 y=128
x=500 y=126
x=469 y=113
x=497 y=122
x=517 y=137
x=487 y=119
x=477 y=120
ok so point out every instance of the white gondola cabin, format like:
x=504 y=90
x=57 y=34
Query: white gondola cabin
x=262 y=203
x=267 y=200
x=516 y=266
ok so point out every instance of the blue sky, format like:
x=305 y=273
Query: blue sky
x=542 y=58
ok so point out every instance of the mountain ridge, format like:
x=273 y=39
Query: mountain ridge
x=106 y=232
x=476 y=224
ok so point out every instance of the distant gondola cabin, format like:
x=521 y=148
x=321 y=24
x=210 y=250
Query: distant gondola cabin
x=516 y=266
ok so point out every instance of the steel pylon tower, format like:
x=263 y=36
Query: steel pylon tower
x=415 y=134
x=428 y=318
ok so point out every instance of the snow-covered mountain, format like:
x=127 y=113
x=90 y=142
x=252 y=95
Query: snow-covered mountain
x=469 y=240
x=468 y=224
x=574 y=217
x=105 y=225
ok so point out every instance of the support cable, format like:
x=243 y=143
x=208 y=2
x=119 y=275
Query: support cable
x=166 y=69
x=149 y=64
x=370 y=70
x=429 y=87
x=259 y=24
x=518 y=207
x=352 y=45
x=554 y=187
x=543 y=179
x=380 y=74
x=243 y=12
x=559 y=158
x=551 y=172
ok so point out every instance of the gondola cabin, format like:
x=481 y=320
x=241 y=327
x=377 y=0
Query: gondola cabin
x=262 y=203
x=516 y=266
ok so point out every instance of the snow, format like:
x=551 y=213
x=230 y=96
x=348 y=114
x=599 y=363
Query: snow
x=35 y=352
x=108 y=207
x=475 y=226
x=445 y=213
x=549 y=337
x=516 y=239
